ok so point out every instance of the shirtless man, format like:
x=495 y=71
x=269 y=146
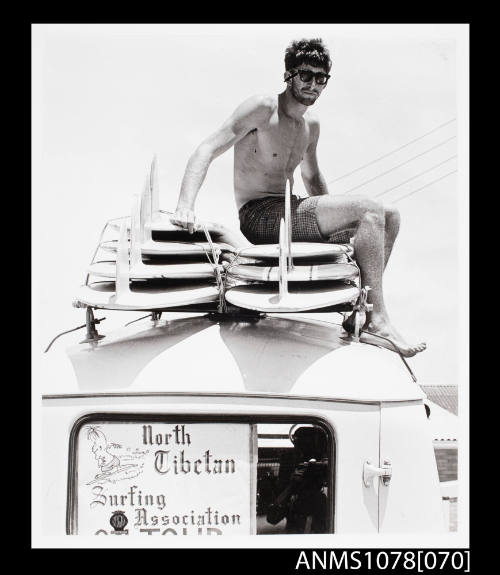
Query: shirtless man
x=271 y=136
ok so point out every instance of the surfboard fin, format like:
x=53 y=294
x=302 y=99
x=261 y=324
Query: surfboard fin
x=288 y=225
x=135 y=233
x=122 y=285
x=155 y=189
x=283 y=262
x=145 y=219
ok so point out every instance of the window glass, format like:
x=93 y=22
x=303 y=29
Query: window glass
x=293 y=479
x=147 y=476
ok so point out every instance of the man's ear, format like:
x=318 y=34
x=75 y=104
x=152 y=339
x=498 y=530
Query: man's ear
x=288 y=75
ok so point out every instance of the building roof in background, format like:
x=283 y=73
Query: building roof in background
x=444 y=426
x=446 y=396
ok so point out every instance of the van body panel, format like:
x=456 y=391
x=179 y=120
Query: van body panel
x=408 y=502
x=275 y=356
x=355 y=430
x=274 y=368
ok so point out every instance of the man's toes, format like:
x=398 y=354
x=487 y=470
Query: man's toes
x=420 y=347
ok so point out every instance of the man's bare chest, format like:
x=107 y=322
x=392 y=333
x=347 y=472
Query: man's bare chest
x=278 y=146
x=283 y=141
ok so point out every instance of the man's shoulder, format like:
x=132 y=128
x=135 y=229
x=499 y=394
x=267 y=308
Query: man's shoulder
x=313 y=122
x=312 y=119
x=256 y=110
x=261 y=103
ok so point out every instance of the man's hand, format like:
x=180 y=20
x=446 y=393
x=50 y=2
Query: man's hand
x=185 y=218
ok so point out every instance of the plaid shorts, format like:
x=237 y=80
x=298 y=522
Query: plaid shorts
x=260 y=221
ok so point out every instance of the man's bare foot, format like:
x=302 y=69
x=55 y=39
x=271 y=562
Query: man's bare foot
x=228 y=236
x=220 y=233
x=380 y=332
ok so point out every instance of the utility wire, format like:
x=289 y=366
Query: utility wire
x=69 y=331
x=426 y=186
x=63 y=333
x=392 y=152
x=413 y=177
x=138 y=319
x=399 y=165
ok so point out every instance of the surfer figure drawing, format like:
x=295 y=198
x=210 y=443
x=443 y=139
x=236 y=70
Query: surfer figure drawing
x=100 y=448
x=112 y=468
x=272 y=135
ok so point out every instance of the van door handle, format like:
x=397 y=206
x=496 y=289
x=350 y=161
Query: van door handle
x=370 y=471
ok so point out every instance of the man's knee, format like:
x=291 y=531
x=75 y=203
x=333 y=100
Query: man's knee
x=374 y=219
x=356 y=206
x=349 y=212
x=392 y=218
x=371 y=211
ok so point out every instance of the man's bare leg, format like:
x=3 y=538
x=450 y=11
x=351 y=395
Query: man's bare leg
x=392 y=221
x=335 y=213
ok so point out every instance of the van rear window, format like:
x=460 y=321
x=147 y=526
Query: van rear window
x=160 y=475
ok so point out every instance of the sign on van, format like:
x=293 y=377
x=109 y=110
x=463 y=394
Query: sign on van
x=166 y=479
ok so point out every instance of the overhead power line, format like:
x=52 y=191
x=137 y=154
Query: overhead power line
x=426 y=186
x=399 y=165
x=414 y=177
x=392 y=151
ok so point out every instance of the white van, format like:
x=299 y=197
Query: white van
x=208 y=425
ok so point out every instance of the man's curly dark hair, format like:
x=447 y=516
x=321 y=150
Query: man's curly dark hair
x=312 y=52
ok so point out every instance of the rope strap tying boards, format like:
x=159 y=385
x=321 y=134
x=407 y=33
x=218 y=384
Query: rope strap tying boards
x=216 y=252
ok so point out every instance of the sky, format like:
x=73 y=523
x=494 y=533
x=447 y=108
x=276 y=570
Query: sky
x=106 y=98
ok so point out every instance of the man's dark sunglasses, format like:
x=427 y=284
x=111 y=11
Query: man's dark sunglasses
x=307 y=75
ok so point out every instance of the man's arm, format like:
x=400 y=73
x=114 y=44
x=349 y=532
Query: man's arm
x=251 y=114
x=313 y=179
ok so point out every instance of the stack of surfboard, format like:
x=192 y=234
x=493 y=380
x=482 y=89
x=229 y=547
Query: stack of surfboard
x=293 y=276
x=153 y=264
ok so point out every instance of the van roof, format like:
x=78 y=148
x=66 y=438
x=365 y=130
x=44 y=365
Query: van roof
x=286 y=356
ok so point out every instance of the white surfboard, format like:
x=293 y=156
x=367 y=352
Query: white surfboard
x=139 y=228
x=107 y=269
x=298 y=273
x=289 y=297
x=153 y=220
x=162 y=223
x=103 y=295
x=265 y=298
x=143 y=295
x=298 y=250
x=153 y=248
x=141 y=231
